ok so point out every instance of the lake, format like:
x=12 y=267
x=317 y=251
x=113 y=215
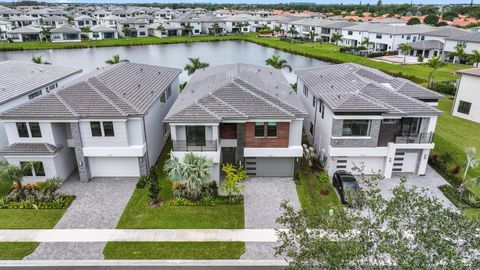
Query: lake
x=171 y=55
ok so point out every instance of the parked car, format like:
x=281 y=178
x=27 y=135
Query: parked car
x=342 y=181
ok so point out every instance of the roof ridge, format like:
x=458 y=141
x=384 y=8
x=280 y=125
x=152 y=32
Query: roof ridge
x=107 y=99
x=264 y=99
x=69 y=108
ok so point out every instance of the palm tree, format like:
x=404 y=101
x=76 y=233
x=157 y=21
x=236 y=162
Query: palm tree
x=460 y=53
x=276 y=62
x=475 y=57
x=435 y=63
x=365 y=42
x=194 y=65
x=46 y=33
x=173 y=167
x=471 y=161
x=161 y=28
x=336 y=37
x=312 y=34
x=195 y=171
x=188 y=28
x=215 y=28
x=405 y=48
x=37 y=59
x=126 y=31
x=277 y=29
x=240 y=26
x=114 y=60
x=292 y=30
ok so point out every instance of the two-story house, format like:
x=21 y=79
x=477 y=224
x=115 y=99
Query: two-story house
x=239 y=114
x=362 y=117
x=467 y=97
x=107 y=123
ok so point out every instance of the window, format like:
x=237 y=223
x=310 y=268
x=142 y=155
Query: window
x=350 y=33
x=22 y=130
x=169 y=91
x=409 y=37
x=464 y=107
x=35 y=94
x=26 y=168
x=259 y=129
x=165 y=129
x=196 y=136
x=379 y=36
x=272 y=129
x=305 y=91
x=356 y=128
x=38 y=168
x=311 y=128
x=108 y=129
x=162 y=99
x=35 y=130
x=410 y=126
x=96 y=129
x=314 y=102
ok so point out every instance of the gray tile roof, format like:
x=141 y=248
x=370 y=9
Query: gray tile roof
x=471 y=37
x=389 y=29
x=236 y=92
x=26 y=30
x=101 y=28
x=55 y=19
x=117 y=91
x=355 y=88
x=446 y=31
x=66 y=30
x=30 y=149
x=21 y=78
x=470 y=71
x=427 y=45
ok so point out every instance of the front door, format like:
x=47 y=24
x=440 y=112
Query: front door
x=228 y=155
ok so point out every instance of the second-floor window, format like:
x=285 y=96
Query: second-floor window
x=379 y=36
x=271 y=129
x=357 y=128
x=305 y=91
x=35 y=94
x=350 y=33
x=259 y=129
x=29 y=130
x=102 y=129
x=464 y=107
x=163 y=99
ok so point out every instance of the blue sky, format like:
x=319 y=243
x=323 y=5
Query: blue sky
x=272 y=1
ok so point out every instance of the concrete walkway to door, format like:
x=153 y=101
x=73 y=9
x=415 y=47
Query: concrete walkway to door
x=98 y=205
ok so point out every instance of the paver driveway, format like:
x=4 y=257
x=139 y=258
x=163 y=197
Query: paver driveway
x=99 y=205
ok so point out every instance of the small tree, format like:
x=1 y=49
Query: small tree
x=459 y=53
x=311 y=35
x=435 y=63
x=277 y=29
x=114 y=60
x=153 y=186
x=278 y=63
x=414 y=21
x=194 y=65
x=431 y=19
x=470 y=161
x=475 y=58
x=336 y=37
x=324 y=180
x=234 y=176
x=188 y=28
x=126 y=31
x=365 y=42
x=405 y=48
x=292 y=30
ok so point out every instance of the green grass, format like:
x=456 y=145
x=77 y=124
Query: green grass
x=308 y=190
x=322 y=51
x=139 y=215
x=16 y=251
x=174 y=250
x=29 y=218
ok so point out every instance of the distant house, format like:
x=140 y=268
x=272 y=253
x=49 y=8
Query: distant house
x=470 y=41
x=108 y=123
x=239 y=114
x=5 y=27
x=23 y=20
x=54 y=21
x=26 y=33
x=66 y=34
x=467 y=98
x=137 y=27
x=362 y=117
x=85 y=21
x=24 y=81
x=102 y=32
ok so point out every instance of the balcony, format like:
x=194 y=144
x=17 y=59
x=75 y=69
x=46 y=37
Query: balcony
x=414 y=138
x=194 y=146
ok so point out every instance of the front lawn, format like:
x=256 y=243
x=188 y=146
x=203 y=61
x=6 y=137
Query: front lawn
x=29 y=218
x=174 y=250
x=16 y=251
x=308 y=190
x=139 y=215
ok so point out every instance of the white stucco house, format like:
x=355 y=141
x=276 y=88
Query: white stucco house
x=108 y=123
x=467 y=97
x=239 y=114
x=65 y=33
x=362 y=117
x=100 y=32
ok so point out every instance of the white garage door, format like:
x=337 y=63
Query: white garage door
x=113 y=167
x=371 y=165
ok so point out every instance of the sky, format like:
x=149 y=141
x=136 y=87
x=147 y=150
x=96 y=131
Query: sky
x=272 y=1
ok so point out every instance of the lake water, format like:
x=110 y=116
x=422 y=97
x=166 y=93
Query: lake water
x=171 y=55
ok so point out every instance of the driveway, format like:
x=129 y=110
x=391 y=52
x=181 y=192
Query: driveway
x=98 y=205
x=430 y=182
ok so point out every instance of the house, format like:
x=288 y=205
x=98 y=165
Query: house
x=24 y=81
x=134 y=27
x=359 y=116
x=26 y=33
x=470 y=42
x=84 y=21
x=100 y=32
x=66 y=33
x=54 y=21
x=239 y=114
x=23 y=20
x=467 y=97
x=108 y=123
x=5 y=27
x=110 y=21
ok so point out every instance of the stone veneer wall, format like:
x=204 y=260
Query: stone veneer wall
x=82 y=162
x=371 y=141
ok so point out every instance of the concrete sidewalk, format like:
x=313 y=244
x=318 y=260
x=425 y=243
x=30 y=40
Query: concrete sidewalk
x=132 y=235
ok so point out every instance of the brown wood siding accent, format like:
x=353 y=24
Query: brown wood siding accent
x=228 y=131
x=280 y=141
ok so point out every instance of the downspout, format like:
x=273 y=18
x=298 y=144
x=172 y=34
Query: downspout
x=146 y=142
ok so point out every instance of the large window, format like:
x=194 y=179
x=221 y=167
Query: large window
x=22 y=130
x=356 y=128
x=196 y=136
x=410 y=126
x=464 y=107
x=27 y=130
x=96 y=129
x=26 y=168
x=100 y=129
x=32 y=168
x=108 y=129
x=272 y=129
x=35 y=130
x=259 y=129
x=38 y=169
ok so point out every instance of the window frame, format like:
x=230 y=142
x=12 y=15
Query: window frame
x=35 y=124
x=270 y=124
x=163 y=99
x=96 y=134
x=464 y=107
x=35 y=94
x=257 y=128
x=21 y=134
x=353 y=121
x=111 y=130
x=39 y=169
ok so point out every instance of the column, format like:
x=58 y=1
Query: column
x=82 y=161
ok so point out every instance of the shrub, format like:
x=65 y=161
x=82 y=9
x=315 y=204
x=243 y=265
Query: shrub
x=352 y=48
x=142 y=181
x=472 y=200
x=420 y=58
x=378 y=54
x=234 y=176
x=446 y=87
x=456 y=169
x=324 y=181
x=153 y=185
x=296 y=176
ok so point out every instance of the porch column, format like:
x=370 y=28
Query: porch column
x=423 y=161
x=82 y=161
x=240 y=143
x=389 y=161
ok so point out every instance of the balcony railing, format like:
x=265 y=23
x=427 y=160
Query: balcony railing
x=414 y=138
x=195 y=146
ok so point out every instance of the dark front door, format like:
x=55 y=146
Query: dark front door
x=228 y=155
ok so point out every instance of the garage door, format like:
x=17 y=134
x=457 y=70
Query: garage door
x=370 y=165
x=405 y=161
x=269 y=167
x=113 y=167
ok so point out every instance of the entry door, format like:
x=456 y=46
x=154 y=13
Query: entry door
x=228 y=155
x=410 y=162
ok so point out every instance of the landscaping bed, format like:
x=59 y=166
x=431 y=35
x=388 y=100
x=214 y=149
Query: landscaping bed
x=174 y=250
x=16 y=251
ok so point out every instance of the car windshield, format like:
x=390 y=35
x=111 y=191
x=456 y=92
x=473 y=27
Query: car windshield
x=350 y=185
